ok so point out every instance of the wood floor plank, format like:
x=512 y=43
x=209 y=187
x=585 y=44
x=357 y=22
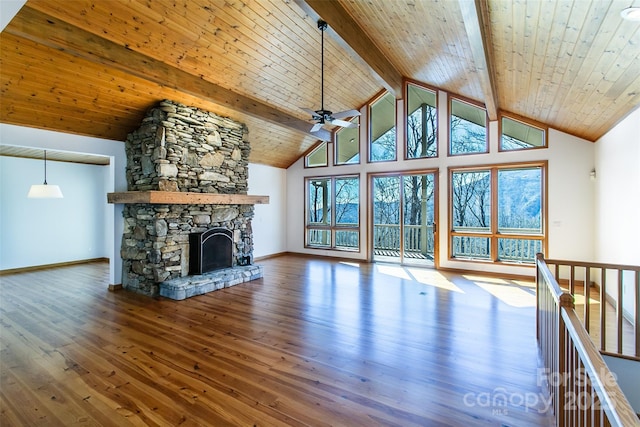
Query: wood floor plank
x=314 y=342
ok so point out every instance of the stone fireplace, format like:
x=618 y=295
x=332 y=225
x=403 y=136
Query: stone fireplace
x=187 y=173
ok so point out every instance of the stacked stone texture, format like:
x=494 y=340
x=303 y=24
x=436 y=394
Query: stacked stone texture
x=180 y=148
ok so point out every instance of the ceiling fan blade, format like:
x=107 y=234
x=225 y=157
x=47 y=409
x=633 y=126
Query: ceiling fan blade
x=322 y=136
x=344 y=123
x=316 y=127
x=309 y=110
x=343 y=114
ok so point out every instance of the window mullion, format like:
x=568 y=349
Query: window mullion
x=494 y=214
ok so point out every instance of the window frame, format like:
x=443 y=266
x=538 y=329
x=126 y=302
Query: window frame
x=493 y=234
x=425 y=87
x=332 y=227
x=370 y=103
x=449 y=115
x=523 y=120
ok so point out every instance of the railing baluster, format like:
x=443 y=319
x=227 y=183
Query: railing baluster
x=619 y=312
x=603 y=309
x=587 y=295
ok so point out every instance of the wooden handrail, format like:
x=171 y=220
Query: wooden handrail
x=583 y=389
x=591 y=264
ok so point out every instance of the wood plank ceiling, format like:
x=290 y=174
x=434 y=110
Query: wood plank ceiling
x=95 y=67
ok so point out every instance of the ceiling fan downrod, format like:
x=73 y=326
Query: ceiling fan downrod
x=322 y=26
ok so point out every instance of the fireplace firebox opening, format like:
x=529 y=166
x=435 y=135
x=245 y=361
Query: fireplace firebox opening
x=210 y=250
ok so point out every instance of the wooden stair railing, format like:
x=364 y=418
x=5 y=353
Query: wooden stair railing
x=608 y=279
x=582 y=388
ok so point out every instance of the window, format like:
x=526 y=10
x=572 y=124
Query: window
x=497 y=213
x=517 y=135
x=347 y=146
x=317 y=157
x=333 y=212
x=422 y=119
x=382 y=118
x=468 y=128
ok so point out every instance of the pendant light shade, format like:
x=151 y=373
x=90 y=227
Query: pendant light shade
x=45 y=191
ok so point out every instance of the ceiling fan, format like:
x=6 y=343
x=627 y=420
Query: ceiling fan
x=322 y=116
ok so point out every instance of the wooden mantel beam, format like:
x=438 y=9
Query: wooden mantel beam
x=184 y=198
x=475 y=16
x=49 y=31
x=346 y=31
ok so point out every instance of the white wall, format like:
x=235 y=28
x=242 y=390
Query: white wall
x=48 y=231
x=270 y=221
x=570 y=192
x=115 y=180
x=617 y=193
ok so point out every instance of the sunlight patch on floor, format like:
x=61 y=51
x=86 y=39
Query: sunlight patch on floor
x=514 y=292
x=433 y=278
x=423 y=276
x=509 y=294
x=393 y=270
x=350 y=264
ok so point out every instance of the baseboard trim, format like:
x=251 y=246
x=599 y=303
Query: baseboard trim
x=49 y=266
x=276 y=255
x=115 y=287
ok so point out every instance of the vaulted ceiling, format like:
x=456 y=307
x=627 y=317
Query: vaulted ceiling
x=95 y=67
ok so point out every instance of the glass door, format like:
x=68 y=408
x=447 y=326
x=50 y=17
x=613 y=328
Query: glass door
x=404 y=209
x=386 y=219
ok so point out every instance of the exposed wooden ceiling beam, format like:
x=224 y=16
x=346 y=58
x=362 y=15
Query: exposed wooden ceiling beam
x=57 y=34
x=475 y=15
x=346 y=31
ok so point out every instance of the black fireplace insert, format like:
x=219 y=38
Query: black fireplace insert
x=210 y=250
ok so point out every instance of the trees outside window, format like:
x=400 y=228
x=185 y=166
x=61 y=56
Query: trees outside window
x=518 y=135
x=422 y=119
x=497 y=213
x=333 y=212
x=467 y=128
x=382 y=129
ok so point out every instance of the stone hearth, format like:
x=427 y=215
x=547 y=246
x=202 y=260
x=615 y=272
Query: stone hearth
x=190 y=286
x=184 y=150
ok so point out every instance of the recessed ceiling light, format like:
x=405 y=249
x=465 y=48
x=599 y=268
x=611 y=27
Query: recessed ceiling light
x=631 y=14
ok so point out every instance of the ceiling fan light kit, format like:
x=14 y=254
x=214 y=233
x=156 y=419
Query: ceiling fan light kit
x=324 y=116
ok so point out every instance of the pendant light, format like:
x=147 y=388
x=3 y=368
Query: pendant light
x=45 y=191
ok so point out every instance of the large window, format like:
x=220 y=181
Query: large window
x=497 y=213
x=422 y=119
x=333 y=212
x=467 y=128
x=382 y=129
x=347 y=146
x=518 y=135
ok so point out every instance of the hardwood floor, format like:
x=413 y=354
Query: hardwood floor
x=315 y=342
